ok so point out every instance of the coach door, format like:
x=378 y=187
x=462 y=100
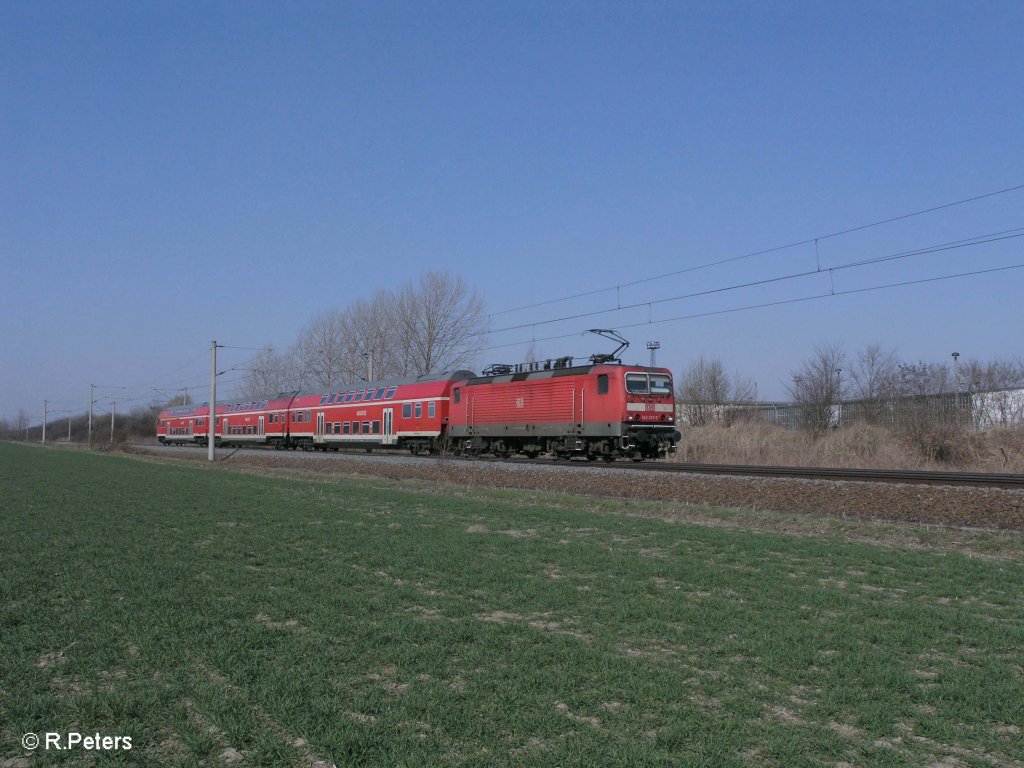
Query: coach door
x=389 y=427
x=320 y=427
x=262 y=428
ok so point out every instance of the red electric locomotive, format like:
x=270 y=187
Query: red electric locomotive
x=595 y=411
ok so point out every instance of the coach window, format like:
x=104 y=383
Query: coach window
x=366 y=427
x=458 y=392
x=390 y=393
x=376 y=427
x=602 y=383
x=337 y=427
x=345 y=427
x=368 y=395
x=431 y=409
x=357 y=397
x=380 y=393
x=355 y=427
x=324 y=399
x=636 y=383
x=308 y=417
x=406 y=410
x=419 y=410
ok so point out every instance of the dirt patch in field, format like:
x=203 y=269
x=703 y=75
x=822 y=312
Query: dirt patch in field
x=539 y=621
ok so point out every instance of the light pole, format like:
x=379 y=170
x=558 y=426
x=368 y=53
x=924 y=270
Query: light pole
x=45 y=404
x=653 y=346
x=211 y=430
x=956 y=377
x=368 y=354
x=92 y=387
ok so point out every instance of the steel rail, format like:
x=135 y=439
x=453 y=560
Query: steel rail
x=918 y=477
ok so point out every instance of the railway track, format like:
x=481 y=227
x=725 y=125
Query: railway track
x=980 y=479
x=913 y=477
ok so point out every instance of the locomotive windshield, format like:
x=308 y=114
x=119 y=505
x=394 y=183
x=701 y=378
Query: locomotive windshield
x=652 y=384
x=636 y=383
x=661 y=384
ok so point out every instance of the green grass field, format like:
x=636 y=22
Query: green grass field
x=220 y=618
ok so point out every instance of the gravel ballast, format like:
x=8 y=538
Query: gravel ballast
x=944 y=505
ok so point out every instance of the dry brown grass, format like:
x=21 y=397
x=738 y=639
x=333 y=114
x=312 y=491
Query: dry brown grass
x=860 y=446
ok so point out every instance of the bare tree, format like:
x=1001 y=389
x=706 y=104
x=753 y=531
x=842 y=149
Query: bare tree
x=319 y=350
x=431 y=325
x=705 y=388
x=371 y=334
x=922 y=379
x=272 y=372
x=818 y=387
x=440 y=320
x=874 y=375
x=874 y=378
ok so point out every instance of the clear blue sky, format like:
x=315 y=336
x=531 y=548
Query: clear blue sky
x=174 y=173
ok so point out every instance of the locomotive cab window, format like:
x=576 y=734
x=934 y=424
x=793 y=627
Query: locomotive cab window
x=602 y=384
x=660 y=384
x=458 y=392
x=636 y=384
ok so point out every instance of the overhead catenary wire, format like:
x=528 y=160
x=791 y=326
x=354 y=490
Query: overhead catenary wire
x=781 y=302
x=952 y=245
x=763 y=251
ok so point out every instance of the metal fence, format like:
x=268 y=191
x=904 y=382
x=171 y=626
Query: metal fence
x=978 y=410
